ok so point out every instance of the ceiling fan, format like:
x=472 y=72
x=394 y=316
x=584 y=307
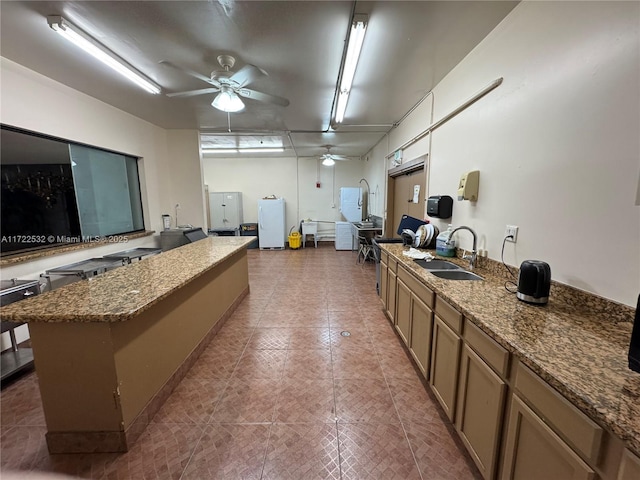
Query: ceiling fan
x=229 y=85
x=329 y=159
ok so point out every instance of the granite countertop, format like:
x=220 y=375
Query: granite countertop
x=580 y=348
x=123 y=293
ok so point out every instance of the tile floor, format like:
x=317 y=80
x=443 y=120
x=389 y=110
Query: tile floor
x=278 y=394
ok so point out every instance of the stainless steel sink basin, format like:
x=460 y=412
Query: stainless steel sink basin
x=438 y=265
x=456 y=275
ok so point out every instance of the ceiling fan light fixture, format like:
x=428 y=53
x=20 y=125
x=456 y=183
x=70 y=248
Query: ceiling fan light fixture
x=328 y=162
x=91 y=46
x=354 y=48
x=227 y=100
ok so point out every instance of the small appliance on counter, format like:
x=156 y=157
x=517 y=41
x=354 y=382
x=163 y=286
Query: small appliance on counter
x=634 y=347
x=534 y=282
x=166 y=222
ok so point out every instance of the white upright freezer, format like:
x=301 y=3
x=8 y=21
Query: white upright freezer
x=271 y=223
x=350 y=203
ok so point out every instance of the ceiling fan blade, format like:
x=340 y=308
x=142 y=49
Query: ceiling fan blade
x=193 y=93
x=191 y=73
x=247 y=74
x=262 y=97
x=339 y=157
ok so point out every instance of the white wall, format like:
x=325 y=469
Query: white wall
x=556 y=144
x=186 y=185
x=375 y=171
x=292 y=178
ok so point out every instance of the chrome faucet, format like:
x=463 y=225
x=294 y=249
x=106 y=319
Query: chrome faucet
x=473 y=256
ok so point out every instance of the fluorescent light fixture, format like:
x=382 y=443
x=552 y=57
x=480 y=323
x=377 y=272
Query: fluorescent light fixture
x=356 y=38
x=99 y=51
x=243 y=150
x=219 y=150
x=260 y=150
x=328 y=162
x=227 y=100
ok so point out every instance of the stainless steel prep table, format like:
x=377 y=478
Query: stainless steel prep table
x=127 y=256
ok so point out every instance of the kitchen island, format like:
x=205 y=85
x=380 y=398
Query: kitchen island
x=108 y=351
x=527 y=387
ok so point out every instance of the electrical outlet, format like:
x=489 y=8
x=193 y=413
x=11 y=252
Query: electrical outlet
x=513 y=231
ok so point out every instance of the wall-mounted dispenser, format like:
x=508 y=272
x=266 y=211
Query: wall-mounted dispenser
x=440 y=206
x=468 y=187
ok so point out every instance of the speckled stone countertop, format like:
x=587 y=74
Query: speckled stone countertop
x=124 y=292
x=579 y=350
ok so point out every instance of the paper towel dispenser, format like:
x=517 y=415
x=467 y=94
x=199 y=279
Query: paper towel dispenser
x=468 y=186
x=440 y=206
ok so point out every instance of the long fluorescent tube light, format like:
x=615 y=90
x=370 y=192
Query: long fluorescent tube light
x=356 y=38
x=99 y=51
x=242 y=150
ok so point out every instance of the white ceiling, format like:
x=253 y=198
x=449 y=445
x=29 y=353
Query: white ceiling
x=409 y=47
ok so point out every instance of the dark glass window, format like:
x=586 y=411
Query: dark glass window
x=57 y=192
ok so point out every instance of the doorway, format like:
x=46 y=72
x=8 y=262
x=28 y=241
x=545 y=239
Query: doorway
x=400 y=195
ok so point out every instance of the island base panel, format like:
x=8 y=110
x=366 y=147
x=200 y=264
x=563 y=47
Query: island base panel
x=101 y=383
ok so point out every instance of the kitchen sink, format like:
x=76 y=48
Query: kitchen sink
x=437 y=265
x=456 y=275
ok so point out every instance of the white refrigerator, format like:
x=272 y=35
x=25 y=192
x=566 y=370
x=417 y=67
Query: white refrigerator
x=271 y=224
x=350 y=204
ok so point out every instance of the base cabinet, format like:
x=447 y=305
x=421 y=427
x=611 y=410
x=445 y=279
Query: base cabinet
x=420 y=337
x=391 y=295
x=513 y=423
x=384 y=284
x=533 y=451
x=403 y=311
x=480 y=411
x=445 y=357
x=629 y=467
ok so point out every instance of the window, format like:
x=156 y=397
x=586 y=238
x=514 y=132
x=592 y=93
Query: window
x=56 y=192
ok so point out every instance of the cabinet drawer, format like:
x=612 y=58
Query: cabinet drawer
x=418 y=289
x=490 y=351
x=582 y=433
x=384 y=257
x=449 y=315
x=392 y=264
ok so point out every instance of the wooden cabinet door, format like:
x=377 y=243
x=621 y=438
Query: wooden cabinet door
x=391 y=295
x=629 y=466
x=533 y=451
x=403 y=311
x=384 y=285
x=420 y=337
x=480 y=411
x=445 y=358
